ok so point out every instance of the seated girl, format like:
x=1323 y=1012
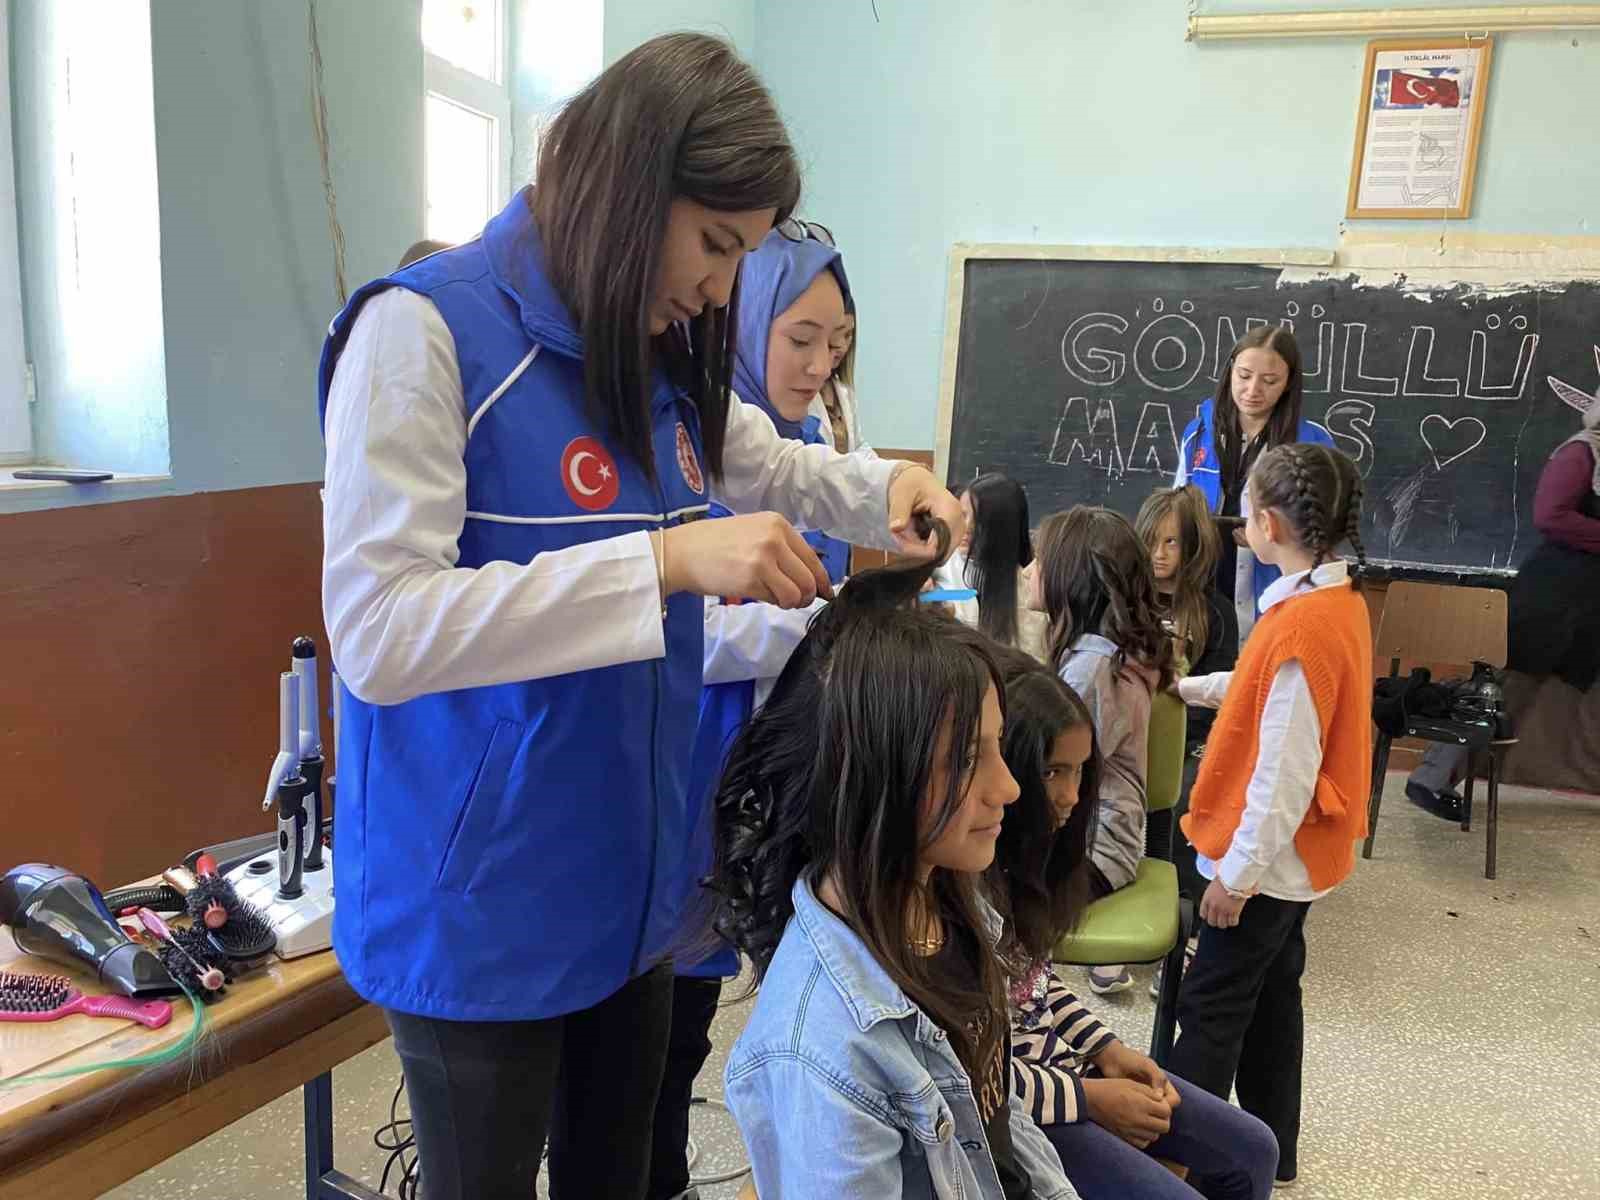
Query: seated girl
x=1177 y=529
x=1093 y=579
x=855 y=814
x=1110 y=1111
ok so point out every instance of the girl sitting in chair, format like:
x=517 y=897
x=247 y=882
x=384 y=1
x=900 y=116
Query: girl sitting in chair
x=1109 y=1111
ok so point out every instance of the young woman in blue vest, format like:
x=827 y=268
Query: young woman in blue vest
x=1257 y=406
x=793 y=296
x=521 y=431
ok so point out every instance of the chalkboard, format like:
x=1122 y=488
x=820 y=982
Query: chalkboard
x=1077 y=377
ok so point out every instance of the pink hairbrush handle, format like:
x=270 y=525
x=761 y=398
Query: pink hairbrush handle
x=152 y=1014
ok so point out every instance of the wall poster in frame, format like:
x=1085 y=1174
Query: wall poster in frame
x=1418 y=129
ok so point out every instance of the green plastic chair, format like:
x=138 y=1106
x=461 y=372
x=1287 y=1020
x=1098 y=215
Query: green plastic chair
x=1148 y=920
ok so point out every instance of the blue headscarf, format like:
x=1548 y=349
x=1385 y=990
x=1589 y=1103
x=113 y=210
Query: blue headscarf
x=775 y=275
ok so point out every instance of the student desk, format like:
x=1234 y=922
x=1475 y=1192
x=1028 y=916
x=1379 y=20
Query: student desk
x=285 y=1025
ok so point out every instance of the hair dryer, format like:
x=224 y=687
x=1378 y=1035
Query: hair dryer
x=61 y=916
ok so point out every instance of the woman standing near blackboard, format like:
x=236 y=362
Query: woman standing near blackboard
x=1257 y=407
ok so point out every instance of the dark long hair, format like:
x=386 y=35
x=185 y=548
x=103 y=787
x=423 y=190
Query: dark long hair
x=1096 y=578
x=1318 y=491
x=680 y=116
x=1000 y=548
x=1284 y=424
x=1199 y=545
x=829 y=779
x=1040 y=878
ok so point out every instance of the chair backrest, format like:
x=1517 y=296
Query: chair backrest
x=1164 y=751
x=1433 y=623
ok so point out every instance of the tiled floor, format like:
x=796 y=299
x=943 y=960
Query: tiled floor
x=1450 y=1032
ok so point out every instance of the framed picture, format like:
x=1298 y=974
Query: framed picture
x=1417 y=132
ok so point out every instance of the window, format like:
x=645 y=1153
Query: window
x=468 y=115
x=16 y=432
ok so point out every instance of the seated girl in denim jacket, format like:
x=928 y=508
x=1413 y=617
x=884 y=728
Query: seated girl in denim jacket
x=854 y=817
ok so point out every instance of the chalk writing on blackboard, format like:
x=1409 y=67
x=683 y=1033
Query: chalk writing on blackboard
x=1082 y=385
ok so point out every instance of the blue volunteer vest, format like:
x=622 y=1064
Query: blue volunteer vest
x=516 y=852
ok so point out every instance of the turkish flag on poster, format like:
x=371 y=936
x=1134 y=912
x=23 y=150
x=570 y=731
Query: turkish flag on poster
x=1406 y=88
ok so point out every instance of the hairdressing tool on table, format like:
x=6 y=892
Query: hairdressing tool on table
x=237 y=851
x=163 y=897
x=304 y=655
x=61 y=916
x=187 y=962
x=27 y=997
x=243 y=937
x=297 y=898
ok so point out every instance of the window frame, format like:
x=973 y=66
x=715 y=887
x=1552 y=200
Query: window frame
x=16 y=413
x=488 y=98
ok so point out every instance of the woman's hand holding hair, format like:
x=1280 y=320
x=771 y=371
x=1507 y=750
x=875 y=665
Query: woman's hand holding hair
x=913 y=490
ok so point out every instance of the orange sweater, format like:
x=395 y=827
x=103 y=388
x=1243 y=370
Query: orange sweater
x=1329 y=631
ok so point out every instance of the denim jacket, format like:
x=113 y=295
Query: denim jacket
x=842 y=1087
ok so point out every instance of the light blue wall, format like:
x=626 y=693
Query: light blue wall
x=629 y=22
x=246 y=263
x=1027 y=121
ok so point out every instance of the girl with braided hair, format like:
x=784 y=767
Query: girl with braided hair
x=1274 y=821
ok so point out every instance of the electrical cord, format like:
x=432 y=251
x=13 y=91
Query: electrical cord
x=161 y=898
x=738 y=1172
x=399 y=1140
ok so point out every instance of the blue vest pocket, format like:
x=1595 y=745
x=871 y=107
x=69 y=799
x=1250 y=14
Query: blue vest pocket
x=463 y=858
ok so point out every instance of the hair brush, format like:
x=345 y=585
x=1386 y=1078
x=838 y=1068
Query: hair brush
x=187 y=956
x=233 y=927
x=27 y=997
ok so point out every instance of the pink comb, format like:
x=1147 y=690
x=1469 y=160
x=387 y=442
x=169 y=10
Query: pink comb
x=25 y=997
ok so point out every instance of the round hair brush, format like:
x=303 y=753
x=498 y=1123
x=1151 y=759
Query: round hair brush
x=188 y=960
x=233 y=927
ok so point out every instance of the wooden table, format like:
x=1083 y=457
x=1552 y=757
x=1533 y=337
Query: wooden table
x=283 y=1026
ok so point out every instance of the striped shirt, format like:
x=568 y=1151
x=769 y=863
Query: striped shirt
x=1053 y=1036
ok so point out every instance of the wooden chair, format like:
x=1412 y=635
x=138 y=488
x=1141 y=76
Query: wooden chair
x=1430 y=624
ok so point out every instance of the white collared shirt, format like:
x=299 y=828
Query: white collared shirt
x=1262 y=856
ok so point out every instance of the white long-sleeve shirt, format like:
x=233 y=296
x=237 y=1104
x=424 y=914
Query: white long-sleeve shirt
x=405 y=621
x=1262 y=856
x=753 y=641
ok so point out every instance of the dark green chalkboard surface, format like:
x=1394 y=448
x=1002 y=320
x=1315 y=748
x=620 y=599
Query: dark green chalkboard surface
x=1078 y=376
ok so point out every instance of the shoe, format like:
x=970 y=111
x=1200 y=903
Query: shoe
x=1103 y=981
x=1188 y=957
x=1279 y=1185
x=1444 y=805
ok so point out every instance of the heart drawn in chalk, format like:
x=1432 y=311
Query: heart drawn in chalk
x=1458 y=437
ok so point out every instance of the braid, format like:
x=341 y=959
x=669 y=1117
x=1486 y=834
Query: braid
x=1310 y=511
x=1352 y=516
